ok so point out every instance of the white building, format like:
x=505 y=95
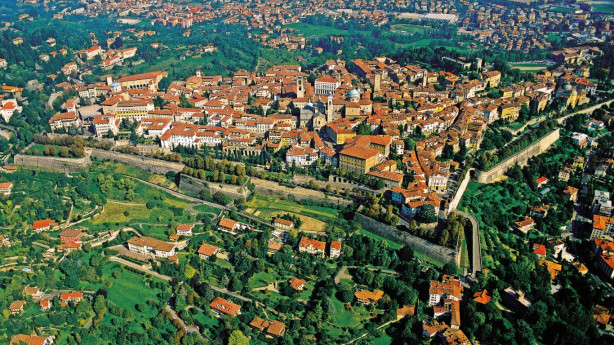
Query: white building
x=9 y=107
x=326 y=86
x=105 y=123
x=151 y=247
x=301 y=155
x=64 y=120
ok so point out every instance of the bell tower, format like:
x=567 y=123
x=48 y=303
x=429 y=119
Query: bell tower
x=300 y=87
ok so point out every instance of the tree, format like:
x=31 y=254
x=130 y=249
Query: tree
x=64 y=151
x=237 y=338
x=450 y=268
x=426 y=214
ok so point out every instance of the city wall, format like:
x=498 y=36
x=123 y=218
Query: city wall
x=153 y=165
x=63 y=165
x=521 y=158
x=192 y=186
x=433 y=251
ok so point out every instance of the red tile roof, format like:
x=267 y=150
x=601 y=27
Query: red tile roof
x=225 y=306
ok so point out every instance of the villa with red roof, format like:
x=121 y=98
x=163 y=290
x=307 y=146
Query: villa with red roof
x=311 y=246
x=222 y=306
x=335 y=249
x=43 y=225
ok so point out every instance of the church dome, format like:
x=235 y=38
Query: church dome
x=567 y=87
x=353 y=93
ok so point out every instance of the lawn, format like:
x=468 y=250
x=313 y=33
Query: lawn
x=604 y=9
x=383 y=340
x=206 y=209
x=309 y=30
x=409 y=28
x=348 y=318
x=529 y=67
x=313 y=217
x=114 y=213
x=391 y=244
x=129 y=290
x=261 y=279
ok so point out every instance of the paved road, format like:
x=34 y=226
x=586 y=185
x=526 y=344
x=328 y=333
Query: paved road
x=167 y=278
x=476 y=253
x=189 y=329
x=560 y=119
x=139 y=267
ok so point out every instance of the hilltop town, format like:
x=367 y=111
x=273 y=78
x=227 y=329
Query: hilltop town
x=416 y=172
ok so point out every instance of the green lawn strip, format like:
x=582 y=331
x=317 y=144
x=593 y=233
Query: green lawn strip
x=391 y=244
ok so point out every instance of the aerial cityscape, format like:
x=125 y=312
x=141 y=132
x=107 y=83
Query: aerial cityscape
x=306 y=172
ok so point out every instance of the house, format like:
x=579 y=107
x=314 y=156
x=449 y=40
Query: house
x=539 y=250
x=151 y=246
x=70 y=236
x=103 y=124
x=229 y=225
x=6 y=188
x=406 y=310
x=9 y=169
x=311 y=246
x=45 y=304
x=335 y=249
x=602 y=315
x=206 y=251
x=16 y=307
x=64 y=121
x=430 y=329
x=5 y=241
x=481 y=297
x=297 y=284
x=274 y=328
x=283 y=224
x=542 y=181
x=185 y=229
x=515 y=300
x=556 y=245
x=19 y=339
x=454 y=336
x=222 y=306
x=552 y=267
x=580 y=267
x=74 y=297
x=367 y=297
x=571 y=193
x=449 y=288
x=43 y=225
x=33 y=291
x=524 y=225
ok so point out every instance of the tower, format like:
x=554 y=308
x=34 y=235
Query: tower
x=198 y=74
x=300 y=87
x=377 y=85
x=329 y=109
x=425 y=79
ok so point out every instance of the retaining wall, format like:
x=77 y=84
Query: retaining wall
x=434 y=251
x=521 y=158
x=192 y=186
x=64 y=165
x=153 y=165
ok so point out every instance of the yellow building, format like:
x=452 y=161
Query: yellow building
x=358 y=159
x=510 y=112
x=142 y=81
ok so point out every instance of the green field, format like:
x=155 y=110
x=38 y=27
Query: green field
x=313 y=217
x=309 y=30
x=604 y=9
x=139 y=292
x=391 y=244
x=409 y=28
x=529 y=67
